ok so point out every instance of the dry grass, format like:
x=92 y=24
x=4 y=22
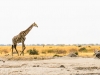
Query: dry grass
x=47 y=51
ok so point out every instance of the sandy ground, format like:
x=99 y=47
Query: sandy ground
x=57 y=66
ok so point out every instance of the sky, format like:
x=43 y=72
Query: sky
x=59 y=21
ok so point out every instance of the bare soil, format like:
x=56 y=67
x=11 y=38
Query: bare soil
x=56 y=66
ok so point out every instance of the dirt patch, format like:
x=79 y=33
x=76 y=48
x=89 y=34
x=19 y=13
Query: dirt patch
x=88 y=74
x=86 y=68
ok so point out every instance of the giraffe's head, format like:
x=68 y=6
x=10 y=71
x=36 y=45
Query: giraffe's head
x=34 y=24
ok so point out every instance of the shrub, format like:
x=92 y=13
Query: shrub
x=76 y=53
x=33 y=52
x=83 y=49
x=56 y=55
x=89 y=46
x=79 y=46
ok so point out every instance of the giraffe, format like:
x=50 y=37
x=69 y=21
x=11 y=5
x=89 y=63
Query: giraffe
x=20 y=38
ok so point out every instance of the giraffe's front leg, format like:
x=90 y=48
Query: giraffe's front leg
x=16 y=49
x=23 y=48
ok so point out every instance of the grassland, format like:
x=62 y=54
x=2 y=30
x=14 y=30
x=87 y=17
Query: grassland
x=44 y=62
x=50 y=51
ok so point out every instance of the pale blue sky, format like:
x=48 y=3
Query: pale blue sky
x=59 y=21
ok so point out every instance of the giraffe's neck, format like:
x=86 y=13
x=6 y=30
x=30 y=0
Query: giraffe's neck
x=28 y=30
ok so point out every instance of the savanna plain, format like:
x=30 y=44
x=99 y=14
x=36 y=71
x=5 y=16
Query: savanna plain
x=50 y=60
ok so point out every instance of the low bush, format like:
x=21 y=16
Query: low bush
x=56 y=55
x=33 y=51
x=76 y=53
x=83 y=49
x=79 y=46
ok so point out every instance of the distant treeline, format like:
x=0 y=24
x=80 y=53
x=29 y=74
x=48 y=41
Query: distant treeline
x=53 y=44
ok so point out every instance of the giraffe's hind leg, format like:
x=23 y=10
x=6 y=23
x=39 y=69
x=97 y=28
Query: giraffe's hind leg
x=16 y=49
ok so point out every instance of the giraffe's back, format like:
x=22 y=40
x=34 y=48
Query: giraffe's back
x=16 y=39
